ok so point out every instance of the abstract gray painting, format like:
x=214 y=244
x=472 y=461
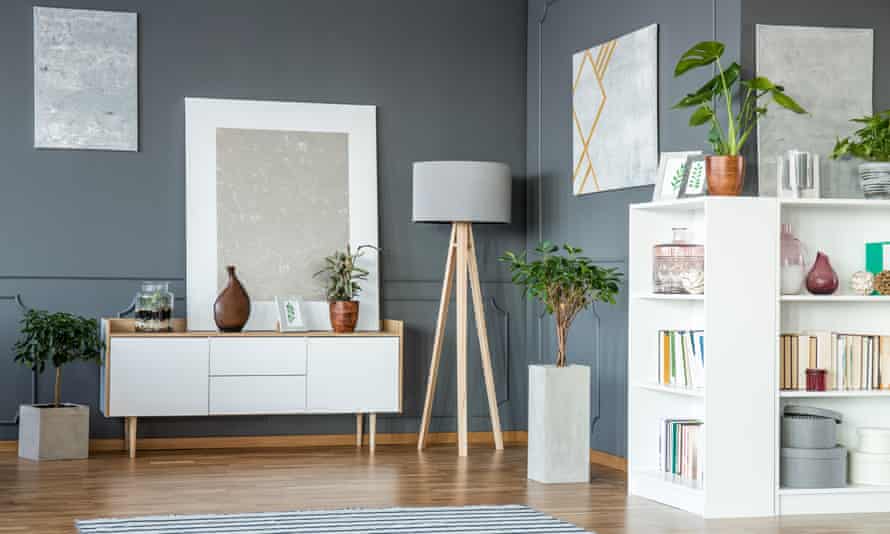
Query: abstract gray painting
x=829 y=72
x=85 y=79
x=615 y=113
x=282 y=204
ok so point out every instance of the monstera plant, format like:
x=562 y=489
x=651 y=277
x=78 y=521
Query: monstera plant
x=741 y=100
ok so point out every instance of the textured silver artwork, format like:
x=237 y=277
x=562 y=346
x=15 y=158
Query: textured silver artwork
x=615 y=113
x=85 y=79
x=282 y=206
x=829 y=72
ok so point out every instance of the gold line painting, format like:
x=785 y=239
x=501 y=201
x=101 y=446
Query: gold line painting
x=615 y=113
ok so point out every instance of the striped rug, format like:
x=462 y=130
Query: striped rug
x=463 y=520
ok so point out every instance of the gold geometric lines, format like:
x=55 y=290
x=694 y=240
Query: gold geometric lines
x=598 y=67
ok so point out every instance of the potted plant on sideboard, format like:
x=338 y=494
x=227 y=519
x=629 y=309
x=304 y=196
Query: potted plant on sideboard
x=872 y=144
x=55 y=431
x=342 y=286
x=559 y=395
x=725 y=169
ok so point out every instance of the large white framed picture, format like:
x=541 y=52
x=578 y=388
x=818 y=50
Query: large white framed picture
x=273 y=188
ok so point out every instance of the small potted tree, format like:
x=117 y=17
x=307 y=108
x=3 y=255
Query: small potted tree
x=559 y=395
x=55 y=431
x=725 y=169
x=872 y=144
x=342 y=286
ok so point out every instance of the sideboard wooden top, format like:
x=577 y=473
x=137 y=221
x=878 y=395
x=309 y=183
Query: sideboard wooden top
x=127 y=328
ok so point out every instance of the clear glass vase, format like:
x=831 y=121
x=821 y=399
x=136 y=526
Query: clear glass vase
x=154 y=307
x=678 y=266
x=793 y=262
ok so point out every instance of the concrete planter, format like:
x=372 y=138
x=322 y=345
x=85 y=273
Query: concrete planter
x=559 y=423
x=47 y=433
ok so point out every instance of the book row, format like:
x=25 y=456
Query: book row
x=851 y=361
x=681 y=448
x=681 y=358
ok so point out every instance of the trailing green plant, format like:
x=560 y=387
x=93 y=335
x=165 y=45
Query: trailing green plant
x=565 y=283
x=720 y=88
x=871 y=142
x=59 y=338
x=343 y=275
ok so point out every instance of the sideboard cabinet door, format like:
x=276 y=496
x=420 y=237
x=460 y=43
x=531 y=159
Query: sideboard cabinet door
x=157 y=377
x=354 y=375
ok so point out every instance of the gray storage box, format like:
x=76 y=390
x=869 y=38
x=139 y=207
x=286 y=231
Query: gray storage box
x=813 y=468
x=805 y=427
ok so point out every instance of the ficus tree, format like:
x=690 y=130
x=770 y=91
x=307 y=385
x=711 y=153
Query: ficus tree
x=565 y=282
x=343 y=275
x=57 y=338
x=727 y=140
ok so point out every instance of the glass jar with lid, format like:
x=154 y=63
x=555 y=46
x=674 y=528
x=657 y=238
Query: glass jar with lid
x=678 y=266
x=154 y=307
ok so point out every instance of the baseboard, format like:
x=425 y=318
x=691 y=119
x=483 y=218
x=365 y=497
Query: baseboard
x=511 y=437
x=608 y=460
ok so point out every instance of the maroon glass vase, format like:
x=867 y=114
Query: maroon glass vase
x=822 y=279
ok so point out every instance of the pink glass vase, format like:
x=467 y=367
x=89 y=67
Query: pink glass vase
x=822 y=279
x=793 y=265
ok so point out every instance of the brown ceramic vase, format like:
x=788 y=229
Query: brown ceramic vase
x=344 y=315
x=232 y=307
x=726 y=175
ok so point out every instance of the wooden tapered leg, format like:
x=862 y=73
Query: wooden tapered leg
x=372 y=431
x=482 y=334
x=358 y=430
x=131 y=436
x=461 y=318
x=439 y=339
x=127 y=434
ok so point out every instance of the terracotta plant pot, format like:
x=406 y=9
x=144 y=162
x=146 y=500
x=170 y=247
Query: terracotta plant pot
x=232 y=307
x=726 y=175
x=344 y=315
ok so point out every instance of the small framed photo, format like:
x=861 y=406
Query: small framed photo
x=671 y=173
x=695 y=181
x=290 y=314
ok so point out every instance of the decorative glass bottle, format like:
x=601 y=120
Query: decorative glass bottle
x=678 y=266
x=793 y=263
x=154 y=307
x=822 y=279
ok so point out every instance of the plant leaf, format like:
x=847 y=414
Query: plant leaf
x=787 y=102
x=701 y=115
x=701 y=54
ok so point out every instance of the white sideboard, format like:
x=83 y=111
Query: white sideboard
x=183 y=373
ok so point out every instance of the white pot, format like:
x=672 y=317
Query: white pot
x=559 y=423
x=875 y=178
x=48 y=433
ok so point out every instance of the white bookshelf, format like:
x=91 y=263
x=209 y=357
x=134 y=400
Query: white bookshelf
x=738 y=314
x=840 y=228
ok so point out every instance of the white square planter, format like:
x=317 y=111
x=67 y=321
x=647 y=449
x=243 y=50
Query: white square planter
x=47 y=433
x=559 y=423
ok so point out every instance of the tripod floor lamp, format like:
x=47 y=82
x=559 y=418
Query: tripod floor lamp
x=461 y=193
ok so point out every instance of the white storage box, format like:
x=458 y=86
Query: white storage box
x=874 y=440
x=868 y=468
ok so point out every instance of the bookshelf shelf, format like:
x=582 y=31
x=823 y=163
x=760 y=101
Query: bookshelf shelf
x=835 y=203
x=834 y=394
x=847 y=500
x=737 y=436
x=871 y=299
x=850 y=490
x=658 y=296
x=673 y=390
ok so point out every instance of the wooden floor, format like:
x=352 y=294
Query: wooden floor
x=47 y=497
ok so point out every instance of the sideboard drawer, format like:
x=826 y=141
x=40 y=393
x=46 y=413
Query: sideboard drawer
x=251 y=355
x=354 y=375
x=233 y=395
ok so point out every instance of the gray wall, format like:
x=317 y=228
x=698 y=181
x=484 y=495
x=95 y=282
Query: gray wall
x=82 y=228
x=598 y=222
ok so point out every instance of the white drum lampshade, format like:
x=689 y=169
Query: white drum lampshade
x=462 y=191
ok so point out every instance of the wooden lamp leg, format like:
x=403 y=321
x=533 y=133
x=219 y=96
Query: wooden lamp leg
x=358 y=430
x=131 y=436
x=482 y=334
x=439 y=339
x=462 y=250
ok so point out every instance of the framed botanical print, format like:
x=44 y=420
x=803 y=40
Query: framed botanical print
x=695 y=180
x=671 y=173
